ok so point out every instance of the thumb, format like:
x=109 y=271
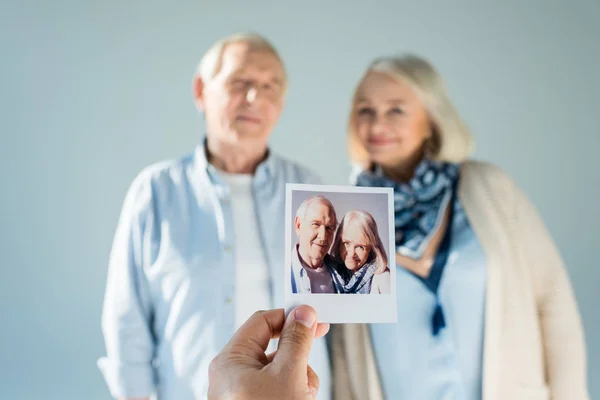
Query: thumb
x=296 y=339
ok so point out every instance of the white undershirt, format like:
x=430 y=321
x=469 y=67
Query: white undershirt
x=252 y=291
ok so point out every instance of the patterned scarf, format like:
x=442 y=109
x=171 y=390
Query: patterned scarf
x=419 y=204
x=419 y=207
x=357 y=282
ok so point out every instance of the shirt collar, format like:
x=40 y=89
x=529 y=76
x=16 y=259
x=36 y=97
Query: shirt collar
x=296 y=263
x=264 y=172
x=300 y=265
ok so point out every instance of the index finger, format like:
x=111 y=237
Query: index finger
x=259 y=329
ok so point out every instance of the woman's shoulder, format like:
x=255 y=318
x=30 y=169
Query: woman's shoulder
x=482 y=168
x=475 y=172
x=381 y=283
x=382 y=280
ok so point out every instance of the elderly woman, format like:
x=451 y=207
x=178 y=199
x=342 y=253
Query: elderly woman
x=485 y=310
x=361 y=256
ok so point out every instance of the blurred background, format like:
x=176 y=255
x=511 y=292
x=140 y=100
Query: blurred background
x=93 y=91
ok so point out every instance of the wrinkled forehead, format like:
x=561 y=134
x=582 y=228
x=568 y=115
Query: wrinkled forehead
x=354 y=230
x=320 y=211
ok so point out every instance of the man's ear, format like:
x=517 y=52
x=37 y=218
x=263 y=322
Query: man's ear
x=198 y=92
x=297 y=225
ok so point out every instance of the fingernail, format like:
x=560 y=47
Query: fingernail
x=314 y=392
x=305 y=316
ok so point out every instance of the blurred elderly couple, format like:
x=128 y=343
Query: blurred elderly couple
x=486 y=308
x=357 y=261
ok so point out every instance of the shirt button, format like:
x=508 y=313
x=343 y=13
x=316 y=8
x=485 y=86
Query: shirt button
x=224 y=202
x=228 y=249
x=228 y=300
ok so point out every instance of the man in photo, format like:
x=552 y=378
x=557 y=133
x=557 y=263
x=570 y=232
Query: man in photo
x=312 y=266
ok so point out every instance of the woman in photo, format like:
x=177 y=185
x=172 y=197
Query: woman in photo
x=485 y=306
x=362 y=259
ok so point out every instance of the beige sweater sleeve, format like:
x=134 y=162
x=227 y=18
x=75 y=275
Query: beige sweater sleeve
x=560 y=320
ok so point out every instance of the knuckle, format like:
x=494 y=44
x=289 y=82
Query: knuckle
x=316 y=381
x=214 y=367
x=257 y=314
x=295 y=336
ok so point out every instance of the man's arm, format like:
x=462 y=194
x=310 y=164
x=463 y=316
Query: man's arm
x=127 y=311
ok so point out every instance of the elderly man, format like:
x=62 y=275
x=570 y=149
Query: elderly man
x=312 y=266
x=200 y=242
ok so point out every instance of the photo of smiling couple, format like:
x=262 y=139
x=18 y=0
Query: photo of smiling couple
x=348 y=257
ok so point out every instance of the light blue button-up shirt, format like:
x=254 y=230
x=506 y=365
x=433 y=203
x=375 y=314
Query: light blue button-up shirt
x=170 y=295
x=415 y=364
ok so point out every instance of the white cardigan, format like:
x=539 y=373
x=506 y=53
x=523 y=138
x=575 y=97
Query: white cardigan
x=534 y=344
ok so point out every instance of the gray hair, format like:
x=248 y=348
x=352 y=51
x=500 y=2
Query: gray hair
x=303 y=208
x=210 y=63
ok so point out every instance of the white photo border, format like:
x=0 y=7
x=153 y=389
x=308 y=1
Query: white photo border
x=342 y=308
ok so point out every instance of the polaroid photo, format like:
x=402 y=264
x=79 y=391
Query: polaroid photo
x=339 y=256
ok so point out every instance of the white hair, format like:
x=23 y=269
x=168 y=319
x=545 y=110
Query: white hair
x=303 y=208
x=452 y=141
x=210 y=63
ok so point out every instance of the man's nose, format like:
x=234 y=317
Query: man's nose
x=322 y=233
x=251 y=94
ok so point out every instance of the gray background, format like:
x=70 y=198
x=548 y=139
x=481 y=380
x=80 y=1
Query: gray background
x=374 y=203
x=93 y=91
